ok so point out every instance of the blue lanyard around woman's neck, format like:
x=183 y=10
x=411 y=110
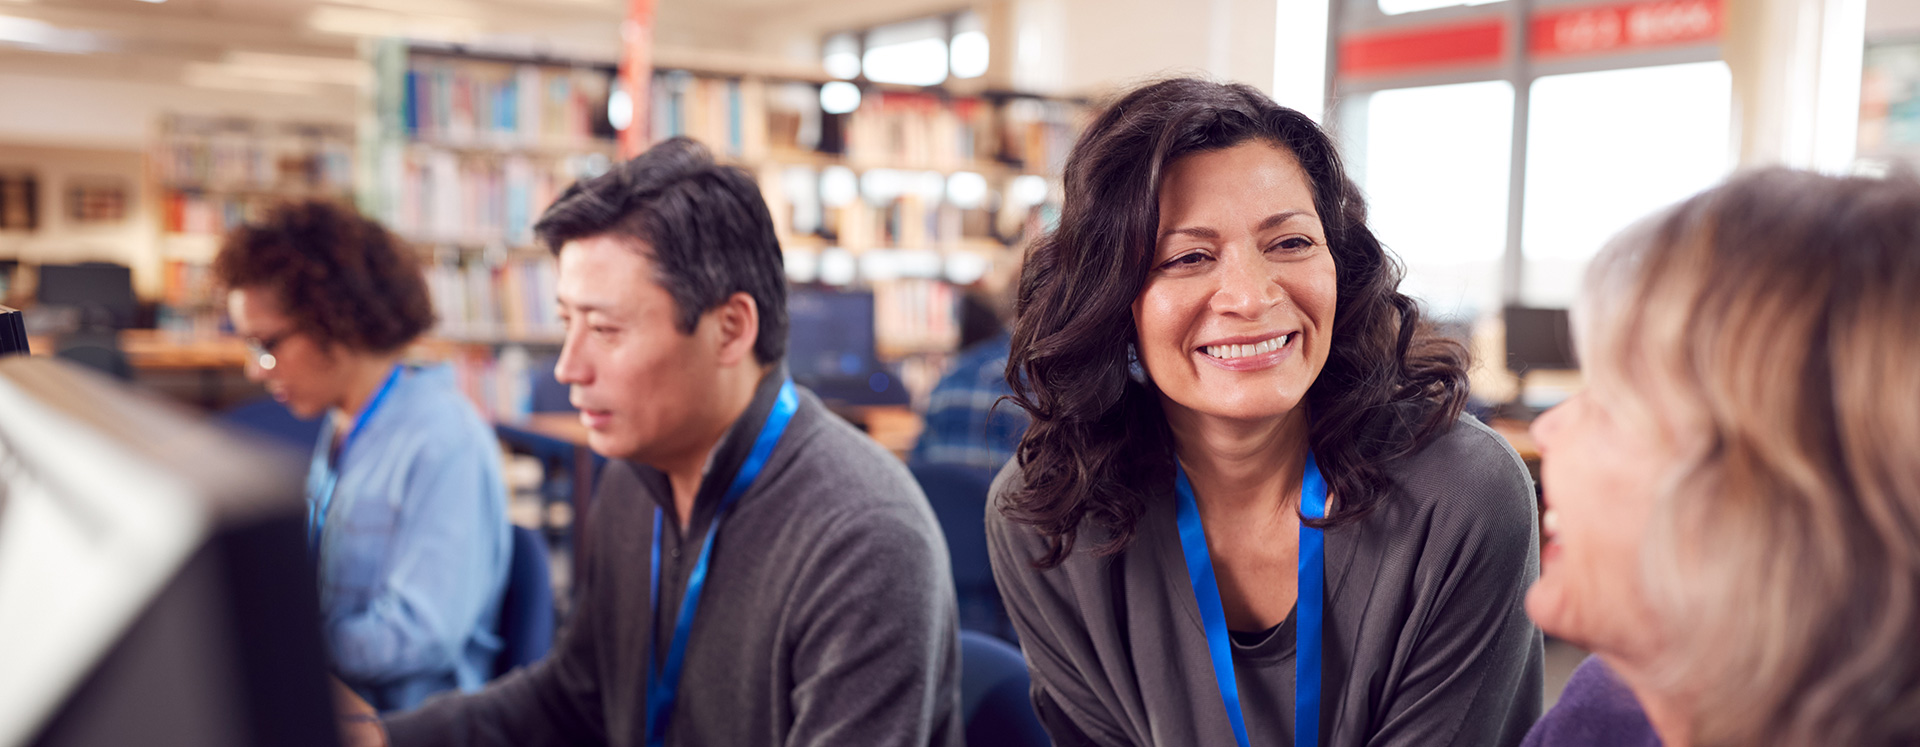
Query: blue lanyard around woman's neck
x=663 y=677
x=1307 y=622
x=328 y=461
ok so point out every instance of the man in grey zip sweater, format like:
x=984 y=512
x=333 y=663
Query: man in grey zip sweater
x=801 y=594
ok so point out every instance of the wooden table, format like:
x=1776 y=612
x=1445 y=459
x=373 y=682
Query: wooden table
x=1515 y=431
x=160 y=350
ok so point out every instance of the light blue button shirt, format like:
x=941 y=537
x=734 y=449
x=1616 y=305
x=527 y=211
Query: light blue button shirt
x=413 y=557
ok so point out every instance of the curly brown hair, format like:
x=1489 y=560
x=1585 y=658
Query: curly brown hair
x=1099 y=448
x=341 y=277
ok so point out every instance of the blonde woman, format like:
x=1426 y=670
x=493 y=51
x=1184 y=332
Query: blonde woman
x=1733 y=505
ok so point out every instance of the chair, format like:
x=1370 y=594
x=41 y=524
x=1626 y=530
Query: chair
x=959 y=498
x=994 y=700
x=270 y=418
x=526 y=611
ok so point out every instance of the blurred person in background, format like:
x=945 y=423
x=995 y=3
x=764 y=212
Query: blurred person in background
x=966 y=423
x=407 y=509
x=1733 y=503
x=1249 y=509
x=758 y=572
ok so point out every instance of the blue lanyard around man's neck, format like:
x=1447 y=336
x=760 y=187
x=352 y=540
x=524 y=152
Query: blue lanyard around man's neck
x=1307 y=620
x=663 y=677
x=327 y=462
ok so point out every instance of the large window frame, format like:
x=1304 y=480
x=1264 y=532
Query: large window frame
x=1356 y=22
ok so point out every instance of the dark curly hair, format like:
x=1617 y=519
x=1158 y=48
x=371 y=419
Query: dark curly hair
x=708 y=228
x=1099 y=447
x=341 y=278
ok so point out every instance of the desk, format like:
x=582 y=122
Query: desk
x=564 y=428
x=1515 y=432
x=159 y=350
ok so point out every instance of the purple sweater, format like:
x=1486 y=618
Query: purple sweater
x=1596 y=710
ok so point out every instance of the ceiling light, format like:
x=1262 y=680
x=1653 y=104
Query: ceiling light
x=839 y=97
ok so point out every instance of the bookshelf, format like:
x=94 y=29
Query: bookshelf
x=212 y=174
x=464 y=152
x=913 y=194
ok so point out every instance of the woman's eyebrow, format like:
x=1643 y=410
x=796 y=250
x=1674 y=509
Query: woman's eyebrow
x=1273 y=221
x=1204 y=232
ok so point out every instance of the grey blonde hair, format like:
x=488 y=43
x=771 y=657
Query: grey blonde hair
x=1770 y=328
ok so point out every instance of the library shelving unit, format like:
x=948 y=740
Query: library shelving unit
x=912 y=194
x=213 y=173
x=465 y=152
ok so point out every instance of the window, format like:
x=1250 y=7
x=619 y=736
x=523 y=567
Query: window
x=920 y=52
x=1435 y=171
x=1609 y=147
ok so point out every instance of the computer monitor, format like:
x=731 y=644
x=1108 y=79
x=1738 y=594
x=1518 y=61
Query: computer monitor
x=154 y=584
x=1538 y=340
x=101 y=291
x=13 y=333
x=830 y=348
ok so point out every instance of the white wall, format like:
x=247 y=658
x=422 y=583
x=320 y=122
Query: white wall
x=133 y=242
x=62 y=127
x=94 y=112
x=1106 y=46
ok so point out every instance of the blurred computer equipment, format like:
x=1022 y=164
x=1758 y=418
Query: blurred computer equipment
x=154 y=586
x=101 y=292
x=1538 y=339
x=13 y=332
x=830 y=348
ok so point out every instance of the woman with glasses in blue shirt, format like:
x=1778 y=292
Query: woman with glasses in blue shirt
x=407 y=509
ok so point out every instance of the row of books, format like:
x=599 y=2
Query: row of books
x=752 y=120
x=478 y=102
x=510 y=300
x=439 y=196
x=236 y=154
x=915 y=316
x=500 y=385
x=729 y=115
x=208 y=213
x=920 y=131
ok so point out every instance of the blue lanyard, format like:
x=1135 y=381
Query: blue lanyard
x=663 y=682
x=328 y=468
x=1307 y=619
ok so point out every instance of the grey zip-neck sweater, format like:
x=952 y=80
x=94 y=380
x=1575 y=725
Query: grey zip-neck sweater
x=1424 y=641
x=828 y=616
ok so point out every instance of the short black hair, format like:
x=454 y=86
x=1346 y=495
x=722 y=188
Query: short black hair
x=709 y=229
x=340 y=276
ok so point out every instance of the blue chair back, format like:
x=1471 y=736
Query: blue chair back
x=272 y=419
x=526 y=612
x=959 y=498
x=994 y=699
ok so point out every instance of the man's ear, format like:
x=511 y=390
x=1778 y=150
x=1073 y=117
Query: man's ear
x=737 y=320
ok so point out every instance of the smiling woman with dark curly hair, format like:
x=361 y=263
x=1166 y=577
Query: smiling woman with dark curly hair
x=1249 y=508
x=407 y=508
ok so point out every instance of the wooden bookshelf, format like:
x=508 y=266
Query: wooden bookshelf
x=471 y=148
x=211 y=174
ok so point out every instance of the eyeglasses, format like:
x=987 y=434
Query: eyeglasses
x=262 y=349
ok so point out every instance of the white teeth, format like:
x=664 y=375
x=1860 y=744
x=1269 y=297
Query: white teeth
x=1229 y=352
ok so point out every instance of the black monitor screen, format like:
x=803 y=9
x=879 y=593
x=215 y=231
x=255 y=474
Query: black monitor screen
x=103 y=292
x=830 y=348
x=1538 y=339
x=13 y=333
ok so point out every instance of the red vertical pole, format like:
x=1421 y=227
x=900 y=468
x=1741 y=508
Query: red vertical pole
x=636 y=73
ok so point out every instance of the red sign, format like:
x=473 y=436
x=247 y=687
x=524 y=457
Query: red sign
x=1424 y=49
x=1625 y=27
